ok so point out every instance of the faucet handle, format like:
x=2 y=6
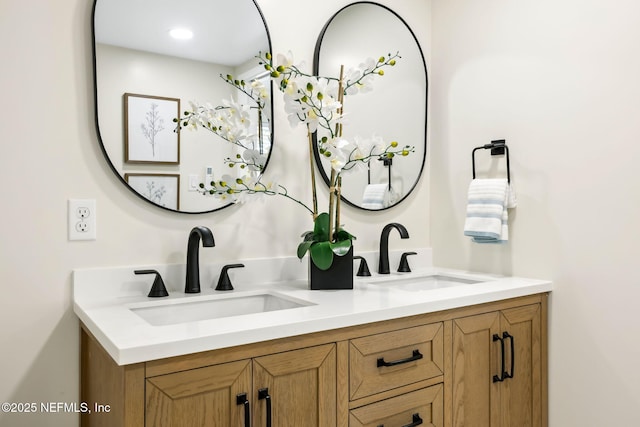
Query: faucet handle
x=404 y=264
x=224 y=283
x=363 y=270
x=157 y=289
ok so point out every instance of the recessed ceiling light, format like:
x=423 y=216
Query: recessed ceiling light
x=181 y=33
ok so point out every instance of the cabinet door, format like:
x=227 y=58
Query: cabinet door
x=476 y=359
x=204 y=397
x=521 y=396
x=478 y=400
x=301 y=385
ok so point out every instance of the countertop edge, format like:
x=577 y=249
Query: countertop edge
x=131 y=354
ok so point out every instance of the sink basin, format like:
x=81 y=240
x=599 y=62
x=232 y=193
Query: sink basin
x=424 y=282
x=181 y=311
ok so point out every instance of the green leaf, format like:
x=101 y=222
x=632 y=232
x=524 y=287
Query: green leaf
x=322 y=255
x=307 y=236
x=343 y=234
x=303 y=248
x=340 y=247
x=321 y=227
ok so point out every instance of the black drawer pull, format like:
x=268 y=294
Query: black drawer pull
x=416 y=421
x=506 y=335
x=416 y=356
x=241 y=399
x=263 y=394
x=500 y=378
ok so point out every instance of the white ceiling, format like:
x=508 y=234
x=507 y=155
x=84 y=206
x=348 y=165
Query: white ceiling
x=228 y=32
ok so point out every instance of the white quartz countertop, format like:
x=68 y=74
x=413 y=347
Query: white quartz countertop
x=104 y=298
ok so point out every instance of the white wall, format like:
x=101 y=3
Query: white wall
x=51 y=154
x=559 y=80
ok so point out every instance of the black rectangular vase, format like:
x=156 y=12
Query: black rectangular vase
x=338 y=276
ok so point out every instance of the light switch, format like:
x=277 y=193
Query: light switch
x=193 y=182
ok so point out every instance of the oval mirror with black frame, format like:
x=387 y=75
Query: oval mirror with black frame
x=396 y=109
x=144 y=77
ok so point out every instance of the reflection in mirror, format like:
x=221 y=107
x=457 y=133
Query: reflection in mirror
x=143 y=75
x=396 y=109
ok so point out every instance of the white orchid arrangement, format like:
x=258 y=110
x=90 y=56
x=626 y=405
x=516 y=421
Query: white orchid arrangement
x=316 y=102
x=232 y=122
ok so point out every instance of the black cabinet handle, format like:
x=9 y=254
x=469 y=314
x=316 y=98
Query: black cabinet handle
x=506 y=335
x=500 y=378
x=416 y=356
x=263 y=394
x=415 y=422
x=241 y=399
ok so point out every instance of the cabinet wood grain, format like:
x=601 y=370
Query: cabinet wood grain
x=201 y=397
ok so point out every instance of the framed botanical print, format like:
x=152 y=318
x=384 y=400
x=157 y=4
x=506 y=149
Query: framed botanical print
x=149 y=130
x=161 y=189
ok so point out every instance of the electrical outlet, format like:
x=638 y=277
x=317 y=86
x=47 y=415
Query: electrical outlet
x=83 y=212
x=82 y=219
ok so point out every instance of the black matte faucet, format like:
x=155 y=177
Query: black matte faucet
x=383 y=263
x=192 y=283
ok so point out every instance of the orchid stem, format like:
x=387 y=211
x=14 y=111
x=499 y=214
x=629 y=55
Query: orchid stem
x=334 y=191
x=298 y=202
x=338 y=195
x=313 y=177
x=332 y=196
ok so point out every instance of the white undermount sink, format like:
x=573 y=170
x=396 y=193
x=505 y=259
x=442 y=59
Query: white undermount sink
x=424 y=282
x=182 y=311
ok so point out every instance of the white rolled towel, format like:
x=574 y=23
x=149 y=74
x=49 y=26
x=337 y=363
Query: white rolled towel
x=487 y=218
x=375 y=196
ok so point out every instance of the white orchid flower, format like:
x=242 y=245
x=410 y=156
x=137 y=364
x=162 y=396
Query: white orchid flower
x=327 y=87
x=338 y=150
x=323 y=107
x=260 y=88
x=364 y=84
x=255 y=160
x=352 y=75
x=251 y=188
x=283 y=60
x=377 y=145
x=368 y=65
x=359 y=155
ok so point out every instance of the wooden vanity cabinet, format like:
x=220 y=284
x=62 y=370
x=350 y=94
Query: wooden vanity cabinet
x=434 y=369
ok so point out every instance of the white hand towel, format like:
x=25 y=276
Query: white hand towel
x=487 y=210
x=375 y=196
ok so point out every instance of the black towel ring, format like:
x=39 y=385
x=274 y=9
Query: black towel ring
x=498 y=148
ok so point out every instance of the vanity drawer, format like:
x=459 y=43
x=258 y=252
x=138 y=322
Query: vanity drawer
x=389 y=360
x=424 y=405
